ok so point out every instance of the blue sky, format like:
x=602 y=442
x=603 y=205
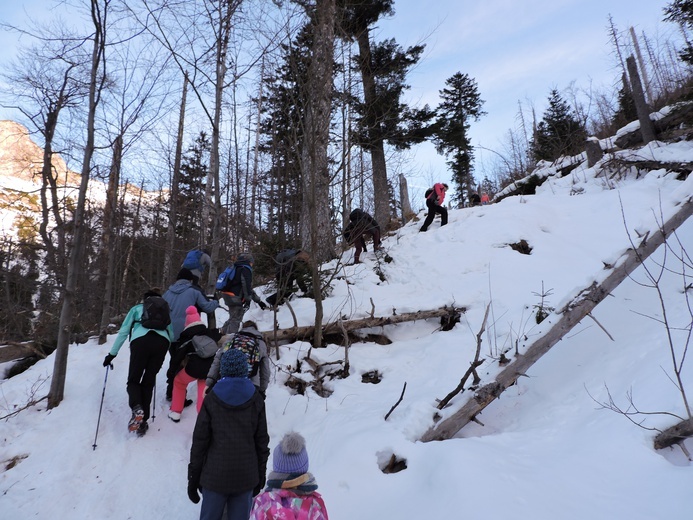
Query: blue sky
x=516 y=51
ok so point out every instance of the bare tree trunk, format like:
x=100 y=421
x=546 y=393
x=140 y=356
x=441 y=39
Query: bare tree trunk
x=175 y=180
x=643 y=70
x=55 y=254
x=76 y=260
x=107 y=249
x=646 y=125
x=405 y=205
x=131 y=245
x=317 y=233
x=377 y=148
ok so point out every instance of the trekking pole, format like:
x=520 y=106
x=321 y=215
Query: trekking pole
x=103 y=394
x=154 y=402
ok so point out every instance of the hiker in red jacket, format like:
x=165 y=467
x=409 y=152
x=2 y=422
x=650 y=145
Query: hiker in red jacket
x=434 y=202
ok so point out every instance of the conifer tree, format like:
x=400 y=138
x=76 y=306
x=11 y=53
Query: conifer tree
x=460 y=104
x=559 y=132
x=191 y=191
x=382 y=116
x=681 y=12
x=626 y=111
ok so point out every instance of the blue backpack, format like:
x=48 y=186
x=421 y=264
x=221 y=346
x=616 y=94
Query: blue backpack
x=225 y=278
x=192 y=260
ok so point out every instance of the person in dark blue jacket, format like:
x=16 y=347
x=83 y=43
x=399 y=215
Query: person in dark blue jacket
x=230 y=444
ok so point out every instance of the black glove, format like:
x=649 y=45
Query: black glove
x=193 y=495
x=262 y=305
x=258 y=489
x=108 y=359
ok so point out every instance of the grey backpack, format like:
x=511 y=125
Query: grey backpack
x=204 y=346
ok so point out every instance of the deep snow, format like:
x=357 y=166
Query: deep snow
x=547 y=450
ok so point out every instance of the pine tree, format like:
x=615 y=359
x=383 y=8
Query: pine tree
x=681 y=12
x=193 y=176
x=282 y=137
x=559 y=132
x=382 y=116
x=626 y=111
x=460 y=104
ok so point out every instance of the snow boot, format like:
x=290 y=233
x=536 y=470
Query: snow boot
x=174 y=416
x=142 y=429
x=136 y=419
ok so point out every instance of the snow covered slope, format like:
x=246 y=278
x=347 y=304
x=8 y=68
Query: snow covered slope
x=547 y=450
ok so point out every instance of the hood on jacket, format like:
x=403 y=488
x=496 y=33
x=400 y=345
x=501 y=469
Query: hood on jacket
x=252 y=330
x=234 y=391
x=180 y=286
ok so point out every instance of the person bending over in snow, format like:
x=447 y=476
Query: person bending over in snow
x=434 y=202
x=360 y=225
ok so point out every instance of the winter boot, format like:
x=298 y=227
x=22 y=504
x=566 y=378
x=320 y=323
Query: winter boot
x=136 y=419
x=142 y=429
x=174 y=416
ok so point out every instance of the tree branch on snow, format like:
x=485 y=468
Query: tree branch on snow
x=472 y=368
x=404 y=388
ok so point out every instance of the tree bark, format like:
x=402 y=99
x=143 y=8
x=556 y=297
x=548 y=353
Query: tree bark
x=308 y=332
x=76 y=260
x=107 y=249
x=674 y=435
x=646 y=126
x=13 y=351
x=173 y=199
x=594 y=151
x=405 y=205
x=576 y=310
x=377 y=147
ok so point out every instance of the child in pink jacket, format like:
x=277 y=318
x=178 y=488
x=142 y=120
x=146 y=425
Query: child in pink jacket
x=291 y=490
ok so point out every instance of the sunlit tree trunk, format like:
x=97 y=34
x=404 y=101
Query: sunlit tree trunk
x=99 y=10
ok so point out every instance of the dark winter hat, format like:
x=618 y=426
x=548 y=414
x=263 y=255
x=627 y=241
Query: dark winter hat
x=246 y=257
x=290 y=455
x=234 y=363
x=152 y=292
x=185 y=274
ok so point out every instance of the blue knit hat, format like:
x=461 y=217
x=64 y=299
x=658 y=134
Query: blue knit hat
x=234 y=363
x=290 y=455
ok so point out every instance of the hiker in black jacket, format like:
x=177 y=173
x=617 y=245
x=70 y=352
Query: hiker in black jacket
x=360 y=225
x=230 y=445
x=293 y=265
x=238 y=293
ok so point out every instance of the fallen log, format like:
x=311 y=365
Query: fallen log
x=674 y=435
x=682 y=113
x=337 y=327
x=570 y=315
x=12 y=351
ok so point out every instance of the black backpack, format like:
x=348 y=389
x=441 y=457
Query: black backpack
x=155 y=313
x=428 y=192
